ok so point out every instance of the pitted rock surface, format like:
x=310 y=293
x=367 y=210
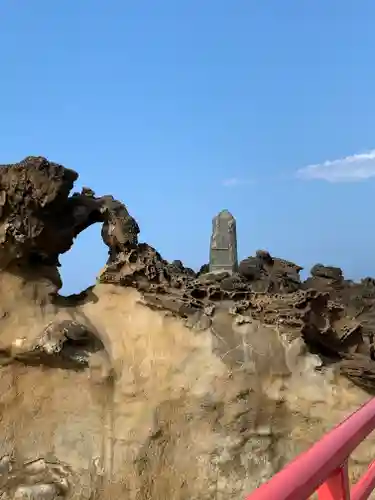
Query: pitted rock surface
x=39 y=221
x=158 y=368
x=38 y=479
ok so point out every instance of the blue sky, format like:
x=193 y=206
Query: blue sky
x=183 y=107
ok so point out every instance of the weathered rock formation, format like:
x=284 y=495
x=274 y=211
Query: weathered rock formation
x=160 y=382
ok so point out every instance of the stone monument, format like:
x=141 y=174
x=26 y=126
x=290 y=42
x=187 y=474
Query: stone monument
x=223 y=248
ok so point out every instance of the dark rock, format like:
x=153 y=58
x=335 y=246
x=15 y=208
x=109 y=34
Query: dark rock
x=264 y=256
x=328 y=272
x=203 y=269
x=232 y=283
x=270 y=274
x=39 y=221
x=251 y=268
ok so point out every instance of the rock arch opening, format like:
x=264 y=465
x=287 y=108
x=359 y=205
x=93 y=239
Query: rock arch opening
x=81 y=265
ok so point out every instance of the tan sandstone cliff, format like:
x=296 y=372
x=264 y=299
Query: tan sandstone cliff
x=156 y=383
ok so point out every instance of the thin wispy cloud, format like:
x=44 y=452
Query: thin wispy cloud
x=357 y=167
x=233 y=182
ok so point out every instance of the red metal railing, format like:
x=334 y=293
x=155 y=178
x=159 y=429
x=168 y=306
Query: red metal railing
x=324 y=467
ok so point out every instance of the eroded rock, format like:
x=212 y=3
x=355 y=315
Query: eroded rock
x=160 y=382
x=35 y=480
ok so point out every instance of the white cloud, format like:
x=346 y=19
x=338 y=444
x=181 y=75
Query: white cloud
x=352 y=168
x=235 y=182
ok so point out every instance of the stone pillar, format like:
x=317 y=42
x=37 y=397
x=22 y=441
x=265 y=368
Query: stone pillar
x=223 y=248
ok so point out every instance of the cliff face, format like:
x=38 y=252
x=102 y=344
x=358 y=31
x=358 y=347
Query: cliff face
x=158 y=382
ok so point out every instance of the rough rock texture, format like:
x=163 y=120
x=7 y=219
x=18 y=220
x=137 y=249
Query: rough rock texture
x=160 y=382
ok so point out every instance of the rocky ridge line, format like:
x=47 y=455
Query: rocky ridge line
x=39 y=221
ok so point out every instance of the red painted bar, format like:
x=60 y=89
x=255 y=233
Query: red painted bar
x=303 y=476
x=336 y=487
x=364 y=487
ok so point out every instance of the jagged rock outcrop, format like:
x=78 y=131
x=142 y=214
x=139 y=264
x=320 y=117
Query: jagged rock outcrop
x=160 y=382
x=270 y=274
x=39 y=221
